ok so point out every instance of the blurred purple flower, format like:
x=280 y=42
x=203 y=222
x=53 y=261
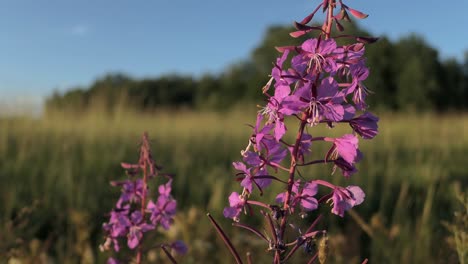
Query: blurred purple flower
x=113 y=261
x=138 y=227
x=179 y=247
x=132 y=191
x=165 y=189
x=118 y=223
x=346 y=198
x=163 y=211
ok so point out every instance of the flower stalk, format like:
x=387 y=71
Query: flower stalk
x=135 y=214
x=323 y=86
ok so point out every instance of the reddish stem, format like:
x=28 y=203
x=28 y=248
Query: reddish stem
x=225 y=239
x=329 y=20
x=292 y=170
x=168 y=254
x=143 y=203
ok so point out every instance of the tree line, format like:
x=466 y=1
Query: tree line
x=406 y=74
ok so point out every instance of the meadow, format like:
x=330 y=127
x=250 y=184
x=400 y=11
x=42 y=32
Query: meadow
x=55 y=192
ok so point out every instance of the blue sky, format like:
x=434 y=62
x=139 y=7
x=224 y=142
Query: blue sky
x=48 y=45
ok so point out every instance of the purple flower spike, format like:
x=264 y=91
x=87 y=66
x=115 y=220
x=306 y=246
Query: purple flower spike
x=129 y=219
x=346 y=198
x=236 y=204
x=365 y=125
x=318 y=83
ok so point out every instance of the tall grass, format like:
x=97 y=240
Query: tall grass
x=60 y=167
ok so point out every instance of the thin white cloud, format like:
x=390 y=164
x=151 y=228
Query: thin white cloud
x=79 y=30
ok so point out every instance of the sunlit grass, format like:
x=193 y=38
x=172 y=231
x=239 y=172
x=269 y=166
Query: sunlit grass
x=65 y=162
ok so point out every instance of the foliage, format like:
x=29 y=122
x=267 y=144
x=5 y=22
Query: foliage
x=405 y=74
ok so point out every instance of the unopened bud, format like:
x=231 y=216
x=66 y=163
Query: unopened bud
x=323 y=249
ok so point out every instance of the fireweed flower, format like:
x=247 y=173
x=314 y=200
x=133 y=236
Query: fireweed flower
x=347 y=56
x=136 y=229
x=303 y=148
x=135 y=213
x=250 y=179
x=327 y=104
x=260 y=134
x=324 y=85
x=116 y=227
x=365 y=125
x=346 y=147
x=272 y=155
x=347 y=169
x=304 y=196
x=132 y=191
x=359 y=73
x=163 y=211
x=346 y=198
x=236 y=205
x=317 y=55
x=274 y=110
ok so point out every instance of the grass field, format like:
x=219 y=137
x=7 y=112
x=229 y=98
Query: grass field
x=55 y=192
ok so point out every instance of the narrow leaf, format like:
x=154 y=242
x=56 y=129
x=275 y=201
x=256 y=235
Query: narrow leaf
x=251 y=229
x=169 y=256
